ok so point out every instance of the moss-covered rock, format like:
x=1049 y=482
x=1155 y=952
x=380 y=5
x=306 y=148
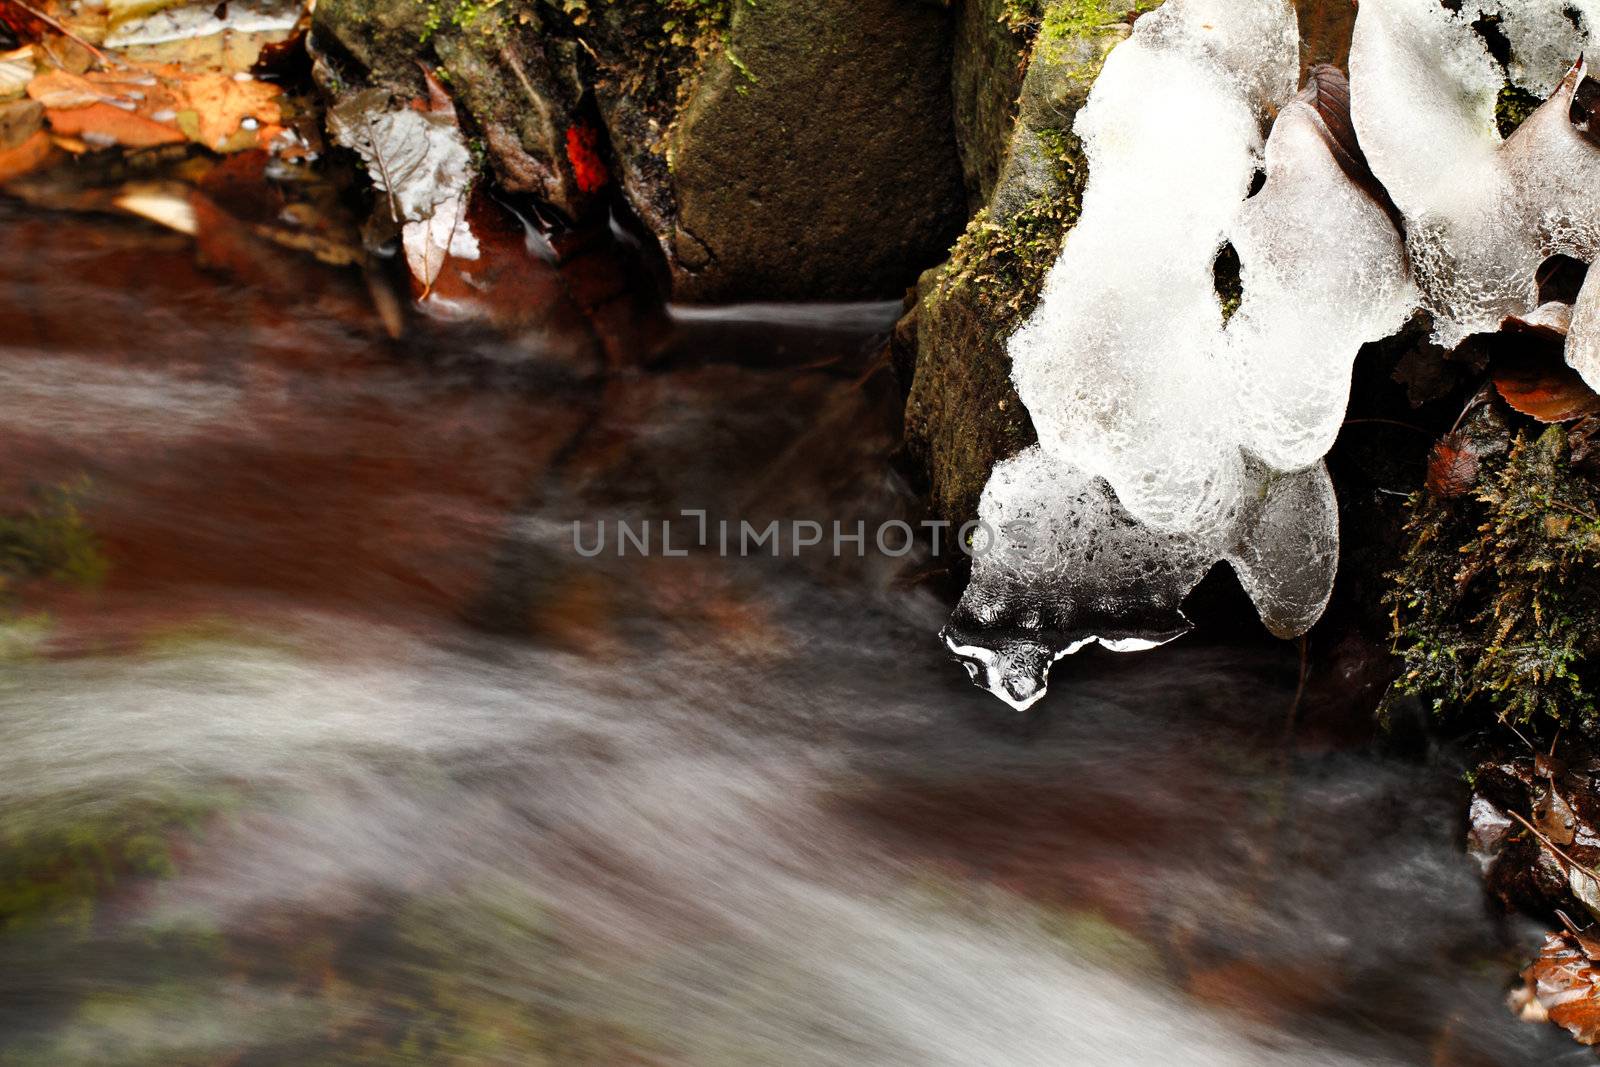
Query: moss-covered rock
x=987 y=68
x=797 y=150
x=817 y=156
x=1496 y=604
x=962 y=413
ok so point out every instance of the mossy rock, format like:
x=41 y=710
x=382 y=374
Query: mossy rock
x=817 y=157
x=990 y=59
x=802 y=150
x=962 y=414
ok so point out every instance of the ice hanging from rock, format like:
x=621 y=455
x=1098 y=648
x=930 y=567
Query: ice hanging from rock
x=1481 y=213
x=1169 y=439
x=1061 y=565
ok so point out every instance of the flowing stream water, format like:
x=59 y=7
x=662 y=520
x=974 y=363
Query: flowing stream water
x=349 y=757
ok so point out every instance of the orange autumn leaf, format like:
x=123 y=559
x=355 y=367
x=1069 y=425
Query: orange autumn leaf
x=218 y=105
x=1544 y=388
x=101 y=125
x=1452 y=466
x=29 y=155
x=58 y=89
x=1565 y=983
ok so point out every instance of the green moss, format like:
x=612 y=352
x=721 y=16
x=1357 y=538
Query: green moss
x=1069 y=19
x=1513 y=107
x=1002 y=265
x=1496 y=604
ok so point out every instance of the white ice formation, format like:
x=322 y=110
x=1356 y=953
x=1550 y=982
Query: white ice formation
x=1062 y=565
x=1481 y=213
x=1169 y=437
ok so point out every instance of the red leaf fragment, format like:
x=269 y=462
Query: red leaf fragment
x=583 y=152
x=1452 y=466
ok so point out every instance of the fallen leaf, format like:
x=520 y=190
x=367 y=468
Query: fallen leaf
x=429 y=242
x=1553 y=816
x=1328 y=90
x=1549 y=322
x=1544 y=388
x=418 y=159
x=164 y=203
x=583 y=152
x=29 y=155
x=223 y=103
x=19 y=119
x=103 y=125
x=1452 y=466
x=59 y=90
x=1566 y=985
x=16 y=71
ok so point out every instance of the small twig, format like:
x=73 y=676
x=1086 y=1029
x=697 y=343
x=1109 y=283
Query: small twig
x=1388 y=422
x=59 y=28
x=1551 y=845
x=1509 y=725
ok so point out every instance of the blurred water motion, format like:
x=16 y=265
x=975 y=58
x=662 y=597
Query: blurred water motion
x=347 y=758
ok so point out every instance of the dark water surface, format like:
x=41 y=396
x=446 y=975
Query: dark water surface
x=348 y=758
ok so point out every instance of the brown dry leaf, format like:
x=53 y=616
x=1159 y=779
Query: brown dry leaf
x=1328 y=91
x=1549 y=322
x=19 y=119
x=31 y=154
x=1452 y=466
x=1566 y=985
x=1546 y=389
x=1553 y=816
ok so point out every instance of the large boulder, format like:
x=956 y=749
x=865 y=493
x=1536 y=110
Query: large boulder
x=817 y=157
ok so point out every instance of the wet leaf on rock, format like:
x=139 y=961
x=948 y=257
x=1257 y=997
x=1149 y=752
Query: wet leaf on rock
x=1565 y=984
x=418 y=160
x=1553 y=816
x=1545 y=389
